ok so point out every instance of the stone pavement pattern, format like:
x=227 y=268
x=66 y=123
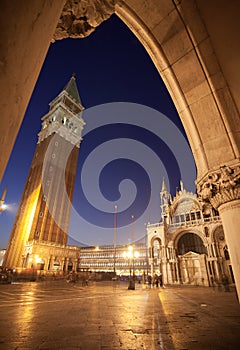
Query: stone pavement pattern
x=108 y=316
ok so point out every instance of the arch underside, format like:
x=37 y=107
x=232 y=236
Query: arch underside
x=178 y=43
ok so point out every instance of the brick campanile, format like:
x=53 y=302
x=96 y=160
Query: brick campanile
x=44 y=211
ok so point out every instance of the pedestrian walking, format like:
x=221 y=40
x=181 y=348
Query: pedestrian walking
x=160 y=280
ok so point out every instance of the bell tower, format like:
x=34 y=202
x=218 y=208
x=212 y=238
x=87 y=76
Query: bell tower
x=44 y=211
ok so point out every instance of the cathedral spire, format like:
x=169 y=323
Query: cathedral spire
x=164 y=188
x=181 y=186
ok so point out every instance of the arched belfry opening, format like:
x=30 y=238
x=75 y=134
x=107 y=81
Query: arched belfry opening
x=184 y=44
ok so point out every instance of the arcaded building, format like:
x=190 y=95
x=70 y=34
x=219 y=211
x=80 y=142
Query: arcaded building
x=188 y=244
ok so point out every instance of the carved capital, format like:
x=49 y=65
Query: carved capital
x=80 y=18
x=220 y=186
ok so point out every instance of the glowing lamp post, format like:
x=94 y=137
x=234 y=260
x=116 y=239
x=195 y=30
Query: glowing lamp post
x=3 y=206
x=131 y=255
x=115 y=239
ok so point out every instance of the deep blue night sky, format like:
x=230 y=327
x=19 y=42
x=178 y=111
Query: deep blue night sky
x=111 y=66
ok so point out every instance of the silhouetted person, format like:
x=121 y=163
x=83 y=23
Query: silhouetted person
x=225 y=283
x=160 y=280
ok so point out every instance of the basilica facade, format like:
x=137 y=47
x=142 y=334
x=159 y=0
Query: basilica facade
x=188 y=245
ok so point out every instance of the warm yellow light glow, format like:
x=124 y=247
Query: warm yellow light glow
x=37 y=259
x=130 y=254
x=24 y=227
x=136 y=254
x=3 y=207
x=29 y=213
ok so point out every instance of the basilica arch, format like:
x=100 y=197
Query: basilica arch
x=184 y=40
x=193 y=241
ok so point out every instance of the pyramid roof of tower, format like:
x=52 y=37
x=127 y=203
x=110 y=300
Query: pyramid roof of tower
x=72 y=90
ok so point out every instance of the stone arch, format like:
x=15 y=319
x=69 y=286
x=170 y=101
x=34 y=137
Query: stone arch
x=154 y=240
x=177 y=40
x=184 y=57
x=178 y=49
x=184 y=48
x=218 y=233
x=183 y=233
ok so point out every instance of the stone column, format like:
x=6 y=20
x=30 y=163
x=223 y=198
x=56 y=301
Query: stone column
x=151 y=265
x=216 y=269
x=52 y=263
x=214 y=250
x=62 y=264
x=47 y=264
x=209 y=251
x=177 y=273
x=222 y=189
x=169 y=273
x=74 y=265
x=66 y=266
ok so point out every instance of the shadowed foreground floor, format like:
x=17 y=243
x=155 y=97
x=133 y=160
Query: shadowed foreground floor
x=108 y=316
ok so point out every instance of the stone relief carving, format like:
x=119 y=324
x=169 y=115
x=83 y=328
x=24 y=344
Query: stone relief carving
x=221 y=186
x=80 y=17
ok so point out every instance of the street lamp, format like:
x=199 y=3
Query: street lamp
x=3 y=206
x=115 y=239
x=131 y=255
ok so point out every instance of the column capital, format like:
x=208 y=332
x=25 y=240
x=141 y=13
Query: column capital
x=220 y=186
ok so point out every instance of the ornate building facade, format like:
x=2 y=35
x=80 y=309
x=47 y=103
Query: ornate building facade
x=44 y=211
x=188 y=245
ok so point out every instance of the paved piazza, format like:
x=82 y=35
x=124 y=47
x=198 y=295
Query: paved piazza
x=106 y=316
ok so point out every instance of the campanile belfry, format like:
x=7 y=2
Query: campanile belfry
x=44 y=210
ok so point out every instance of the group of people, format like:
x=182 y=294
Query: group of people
x=222 y=283
x=156 y=280
x=73 y=277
